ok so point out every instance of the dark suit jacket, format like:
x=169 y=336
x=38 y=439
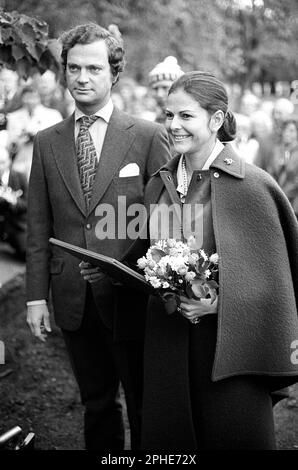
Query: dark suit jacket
x=56 y=208
x=15 y=216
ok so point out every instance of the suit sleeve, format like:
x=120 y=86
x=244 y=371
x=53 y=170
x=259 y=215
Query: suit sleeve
x=159 y=153
x=39 y=228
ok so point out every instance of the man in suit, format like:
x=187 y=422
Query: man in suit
x=102 y=323
x=13 y=205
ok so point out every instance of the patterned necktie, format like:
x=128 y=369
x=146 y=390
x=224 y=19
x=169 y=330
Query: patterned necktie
x=86 y=153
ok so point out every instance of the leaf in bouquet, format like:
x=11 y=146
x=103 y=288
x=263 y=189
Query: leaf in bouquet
x=189 y=291
x=213 y=295
x=198 y=288
x=200 y=264
x=157 y=254
x=170 y=302
x=213 y=284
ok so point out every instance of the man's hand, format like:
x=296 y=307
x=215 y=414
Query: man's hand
x=89 y=272
x=38 y=319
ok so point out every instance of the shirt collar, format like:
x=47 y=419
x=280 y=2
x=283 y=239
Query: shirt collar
x=218 y=147
x=104 y=113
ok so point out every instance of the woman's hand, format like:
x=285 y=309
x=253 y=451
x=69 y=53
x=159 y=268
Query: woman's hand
x=193 y=310
x=90 y=273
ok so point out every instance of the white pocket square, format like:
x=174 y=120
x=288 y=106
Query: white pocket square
x=132 y=169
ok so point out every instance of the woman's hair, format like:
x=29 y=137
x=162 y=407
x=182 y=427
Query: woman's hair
x=211 y=95
x=91 y=32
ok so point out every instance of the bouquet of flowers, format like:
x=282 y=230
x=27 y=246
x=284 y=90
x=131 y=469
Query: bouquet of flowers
x=9 y=195
x=176 y=268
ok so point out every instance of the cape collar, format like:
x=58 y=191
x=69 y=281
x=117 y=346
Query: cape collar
x=227 y=161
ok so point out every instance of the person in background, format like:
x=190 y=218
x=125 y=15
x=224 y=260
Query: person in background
x=245 y=144
x=281 y=112
x=210 y=367
x=13 y=206
x=127 y=90
x=161 y=78
x=10 y=90
x=51 y=92
x=249 y=104
x=23 y=124
x=284 y=162
x=98 y=157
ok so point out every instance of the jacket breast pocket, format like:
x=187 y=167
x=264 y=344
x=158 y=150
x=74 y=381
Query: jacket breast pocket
x=56 y=265
x=129 y=187
x=129 y=182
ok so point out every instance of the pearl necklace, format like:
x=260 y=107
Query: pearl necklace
x=184 y=175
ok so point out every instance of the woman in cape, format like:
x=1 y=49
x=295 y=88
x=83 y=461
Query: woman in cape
x=210 y=369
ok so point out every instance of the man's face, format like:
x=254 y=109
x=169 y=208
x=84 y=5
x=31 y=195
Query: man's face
x=88 y=75
x=30 y=100
x=160 y=91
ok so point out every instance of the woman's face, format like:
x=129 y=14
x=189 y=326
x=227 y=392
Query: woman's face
x=188 y=123
x=290 y=135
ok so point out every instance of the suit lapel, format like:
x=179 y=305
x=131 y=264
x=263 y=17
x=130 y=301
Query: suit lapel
x=65 y=155
x=118 y=140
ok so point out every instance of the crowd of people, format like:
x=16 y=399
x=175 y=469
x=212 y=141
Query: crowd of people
x=266 y=128
x=100 y=140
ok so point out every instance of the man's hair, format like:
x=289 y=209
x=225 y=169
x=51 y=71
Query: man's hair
x=91 y=32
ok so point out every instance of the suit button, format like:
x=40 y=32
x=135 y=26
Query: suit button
x=216 y=174
x=88 y=226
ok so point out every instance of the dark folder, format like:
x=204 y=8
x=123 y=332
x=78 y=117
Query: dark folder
x=114 y=268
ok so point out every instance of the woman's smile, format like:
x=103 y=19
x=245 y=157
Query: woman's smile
x=180 y=137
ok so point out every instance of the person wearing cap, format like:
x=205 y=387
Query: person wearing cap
x=161 y=78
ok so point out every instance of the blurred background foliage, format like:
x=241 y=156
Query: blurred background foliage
x=242 y=41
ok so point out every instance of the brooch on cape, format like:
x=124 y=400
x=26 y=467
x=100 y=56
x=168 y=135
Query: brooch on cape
x=228 y=161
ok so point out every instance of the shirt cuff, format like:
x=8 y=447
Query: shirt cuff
x=36 y=302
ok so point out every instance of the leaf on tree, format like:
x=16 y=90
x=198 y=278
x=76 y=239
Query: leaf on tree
x=25 y=44
x=18 y=52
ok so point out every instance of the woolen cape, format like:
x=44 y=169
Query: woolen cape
x=256 y=236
